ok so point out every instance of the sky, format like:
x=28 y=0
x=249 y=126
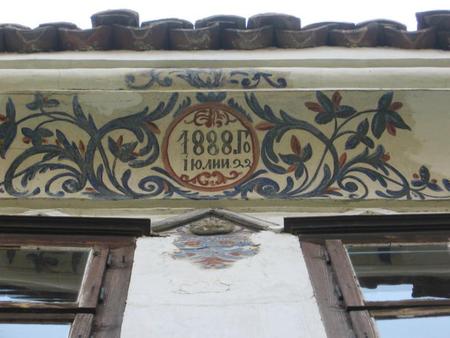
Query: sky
x=33 y=12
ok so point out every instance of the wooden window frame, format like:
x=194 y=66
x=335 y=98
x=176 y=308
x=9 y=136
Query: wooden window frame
x=343 y=309
x=98 y=311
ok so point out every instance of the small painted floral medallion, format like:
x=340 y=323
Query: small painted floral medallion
x=210 y=147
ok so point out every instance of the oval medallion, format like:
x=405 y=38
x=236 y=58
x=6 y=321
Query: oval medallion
x=210 y=147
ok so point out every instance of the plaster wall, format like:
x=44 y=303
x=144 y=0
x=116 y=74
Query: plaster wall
x=268 y=295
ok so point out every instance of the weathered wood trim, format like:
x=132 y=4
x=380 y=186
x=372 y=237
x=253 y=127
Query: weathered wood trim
x=81 y=326
x=110 y=310
x=424 y=303
x=334 y=316
x=18 y=240
x=75 y=225
x=36 y=317
x=103 y=292
x=363 y=324
x=367 y=224
x=12 y=307
x=92 y=281
x=346 y=278
x=410 y=312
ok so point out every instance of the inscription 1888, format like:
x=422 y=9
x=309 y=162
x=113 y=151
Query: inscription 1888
x=210 y=147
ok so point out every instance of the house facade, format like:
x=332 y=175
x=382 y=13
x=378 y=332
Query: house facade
x=218 y=148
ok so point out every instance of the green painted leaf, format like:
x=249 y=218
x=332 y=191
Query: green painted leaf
x=324 y=101
x=397 y=120
x=113 y=147
x=299 y=171
x=446 y=183
x=77 y=110
x=378 y=124
x=385 y=101
x=28 y=132
x=368 y=142
x=289 y=159
x=324 y=118
x=424 y=174
x=352 y=142
x=44 y=132
x=10 y=111
x=345 y=111
x=307 y=152
x=62 y=139
x=363 y=127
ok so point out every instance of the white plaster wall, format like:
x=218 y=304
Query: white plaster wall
x=265 y=296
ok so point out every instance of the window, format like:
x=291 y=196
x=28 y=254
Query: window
x=65 y=277
x=379 y=276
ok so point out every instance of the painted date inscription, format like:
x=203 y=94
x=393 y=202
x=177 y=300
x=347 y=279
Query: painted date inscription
x=210 y=147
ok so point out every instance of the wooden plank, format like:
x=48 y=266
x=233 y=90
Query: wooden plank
x=36 y=317
x=75 y=225
x=93 y=278
x=81 y=326
x=374 y=238
x=23 y=307
x=411 y=312
x=367 y=224
x=16 y=240
x=363 y=324
x=407 y=303
x=108 y=320
x=346 y=278
x=334 y=316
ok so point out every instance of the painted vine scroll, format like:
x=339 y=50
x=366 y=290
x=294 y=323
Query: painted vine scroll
x=214 y=143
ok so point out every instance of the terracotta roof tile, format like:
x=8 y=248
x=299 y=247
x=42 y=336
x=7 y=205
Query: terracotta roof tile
x=98 y=38
x=123 y=17
x=421 y=39
x=444 y=40
x=171 y=23
x=277 y=21
x=119 y=29
x=41 y=39
x=305 y=38
x=424 y=19
x=365 y=36
x=195 y=39
x=331 y=25
x=256 y=38
x=146 y=38
x=226 y=21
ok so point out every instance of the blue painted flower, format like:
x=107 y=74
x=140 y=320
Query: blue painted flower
x=36 y=136
x=423 y=179
x=360 y=136
x=125 y=152
x=387 y=117
x=40 y=101
x=297 y=160
x=329 y=109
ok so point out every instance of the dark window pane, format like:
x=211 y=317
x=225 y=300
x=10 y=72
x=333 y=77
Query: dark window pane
x=22 y=330
x=401 y=272
x=41 y=275
x=427 y=327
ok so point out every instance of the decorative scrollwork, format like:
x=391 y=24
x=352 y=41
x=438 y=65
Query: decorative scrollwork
x=335 y=173
x=75 y=163
x=212 y=118
x=339 y=154
x=204 y=79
